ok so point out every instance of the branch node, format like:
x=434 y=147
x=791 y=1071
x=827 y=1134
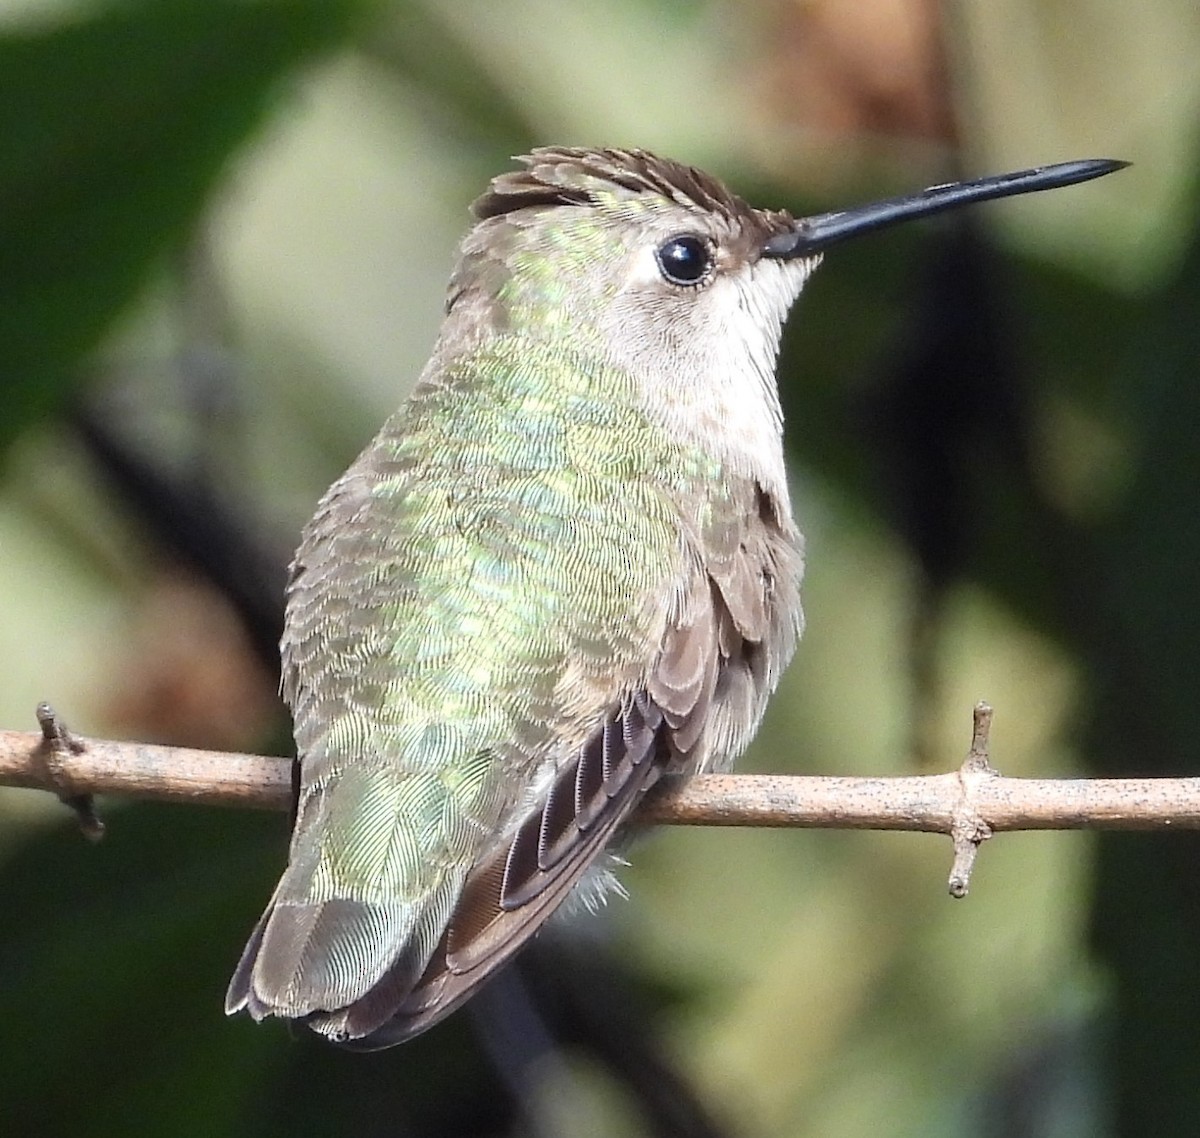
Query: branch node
x=57 y=747
x=968 y=829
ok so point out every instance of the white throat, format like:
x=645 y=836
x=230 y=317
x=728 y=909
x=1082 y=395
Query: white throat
x=718 y=391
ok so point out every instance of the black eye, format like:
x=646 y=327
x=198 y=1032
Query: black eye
x=685 y=260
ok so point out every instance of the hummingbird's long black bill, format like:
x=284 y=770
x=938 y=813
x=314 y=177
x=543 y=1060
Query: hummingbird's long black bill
x=812 y=234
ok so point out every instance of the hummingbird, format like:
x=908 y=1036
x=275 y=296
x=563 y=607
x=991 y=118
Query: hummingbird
x=566 y=568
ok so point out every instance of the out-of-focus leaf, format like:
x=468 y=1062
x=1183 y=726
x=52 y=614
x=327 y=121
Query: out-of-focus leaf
x=114 y=129
x=1144 y=650
x=114 y=959
x=862 y=308
x=419 y=46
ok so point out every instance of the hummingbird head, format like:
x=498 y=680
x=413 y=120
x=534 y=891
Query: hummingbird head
x=657 y=269
x=615 y=226
x=646 y=254
x=650 y=268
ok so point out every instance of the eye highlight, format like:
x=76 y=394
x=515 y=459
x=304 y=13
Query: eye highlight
x=685 y=260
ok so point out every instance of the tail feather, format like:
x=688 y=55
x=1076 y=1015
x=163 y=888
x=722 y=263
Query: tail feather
x=341 y=966
x=240 y=994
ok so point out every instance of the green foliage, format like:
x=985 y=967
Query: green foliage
x=111 y=958
x=115 y=129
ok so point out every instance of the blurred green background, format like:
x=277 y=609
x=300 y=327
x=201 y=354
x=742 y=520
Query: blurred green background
x=225 y=230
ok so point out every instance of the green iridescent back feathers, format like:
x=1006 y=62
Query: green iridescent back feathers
x=530 y=596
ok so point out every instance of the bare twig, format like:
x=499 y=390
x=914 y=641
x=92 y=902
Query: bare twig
x=970 y=804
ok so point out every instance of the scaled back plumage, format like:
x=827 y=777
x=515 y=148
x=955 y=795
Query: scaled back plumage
x=546 y=583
